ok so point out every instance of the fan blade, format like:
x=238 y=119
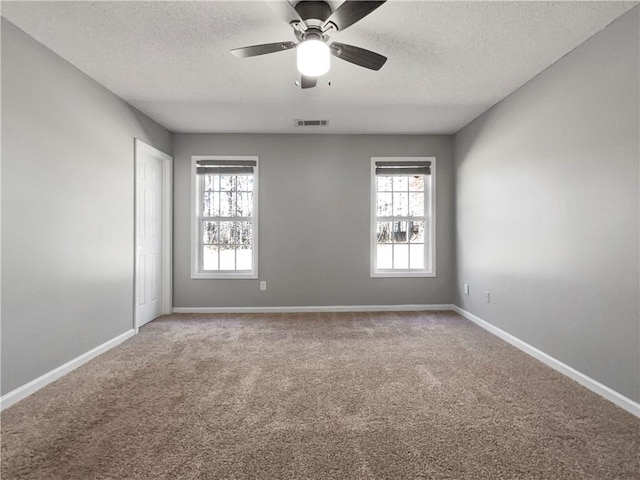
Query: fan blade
x=263 y=49
x=358 y=56
x=308 y=82
x=285 y=10
x=350 y=12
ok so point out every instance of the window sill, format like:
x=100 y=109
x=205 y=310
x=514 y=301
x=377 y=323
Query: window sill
x=224 y=276
x=421 y=274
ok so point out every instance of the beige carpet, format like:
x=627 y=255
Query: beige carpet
x=318 y=396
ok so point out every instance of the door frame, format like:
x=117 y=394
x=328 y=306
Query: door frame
x=142 y=148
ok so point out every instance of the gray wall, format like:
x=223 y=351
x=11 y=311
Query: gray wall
x=67 y=209
x=314 y=221
x=547 y=210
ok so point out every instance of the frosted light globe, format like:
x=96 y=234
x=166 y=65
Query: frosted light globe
x=314 y=58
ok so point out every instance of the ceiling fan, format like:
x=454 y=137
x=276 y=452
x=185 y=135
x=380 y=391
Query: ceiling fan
x=313 y=22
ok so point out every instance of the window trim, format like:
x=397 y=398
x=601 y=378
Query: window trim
x=196 y=273
x=430 y=223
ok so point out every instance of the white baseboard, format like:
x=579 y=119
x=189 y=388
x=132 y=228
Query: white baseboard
x=588 y=382
x=35 y=385
x=302 y=309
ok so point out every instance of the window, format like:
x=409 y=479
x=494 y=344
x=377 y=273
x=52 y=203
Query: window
x=402 y=217
x=224 y=217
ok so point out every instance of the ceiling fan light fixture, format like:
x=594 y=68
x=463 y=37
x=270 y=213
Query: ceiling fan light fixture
x=313 y=23
x=314 y=57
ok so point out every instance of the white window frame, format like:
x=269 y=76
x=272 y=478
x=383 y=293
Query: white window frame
x=196 y=213
x=430 y=223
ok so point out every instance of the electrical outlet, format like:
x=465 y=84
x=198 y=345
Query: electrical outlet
x=466 y=289
x=487 y=297
x=263 y=285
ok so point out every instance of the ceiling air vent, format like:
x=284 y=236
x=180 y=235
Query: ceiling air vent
x=311 y=123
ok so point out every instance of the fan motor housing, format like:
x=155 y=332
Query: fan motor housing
x=313 y=12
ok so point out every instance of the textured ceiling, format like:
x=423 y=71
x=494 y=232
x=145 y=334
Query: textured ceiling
x=448 y=61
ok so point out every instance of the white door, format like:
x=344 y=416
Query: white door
x=149 y=235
